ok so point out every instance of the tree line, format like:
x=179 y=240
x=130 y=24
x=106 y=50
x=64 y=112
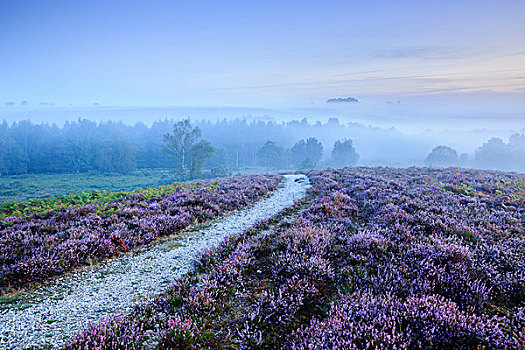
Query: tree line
x=193 y=150
x=307 y=154
x=76 y=147
x=223 y=146
x=493 y=154
x=190 y=156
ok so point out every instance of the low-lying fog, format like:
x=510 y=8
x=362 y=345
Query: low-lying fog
x=386 y=131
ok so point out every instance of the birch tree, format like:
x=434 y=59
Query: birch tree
x=178 y=145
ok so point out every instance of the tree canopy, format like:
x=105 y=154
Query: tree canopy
x=86 y=146
x=494 y=154
x=442 y=156
x=178 y=144
x=272 y=156
x=306 y=153
x=200 y=153
x=344 y=154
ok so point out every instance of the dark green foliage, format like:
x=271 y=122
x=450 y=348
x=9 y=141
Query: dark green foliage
x=442 y=156
x=77 y=147
x=306 y=154
x=83 y=146
x=307 y=163
x=272 y=156
x=199 y=154
x=344 y=154
x=220 y=171
x=496 y=154
x=219 y=158
x=11 y=158
x=189 y=156
x=178 y=145
x=115 y=156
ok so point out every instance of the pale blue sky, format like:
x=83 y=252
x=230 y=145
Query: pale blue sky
x=257 y=53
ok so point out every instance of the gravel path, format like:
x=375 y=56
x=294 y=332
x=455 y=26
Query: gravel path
x=48 y=316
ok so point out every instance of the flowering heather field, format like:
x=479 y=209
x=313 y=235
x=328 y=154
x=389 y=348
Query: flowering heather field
x=38 y=245
x=374 y=258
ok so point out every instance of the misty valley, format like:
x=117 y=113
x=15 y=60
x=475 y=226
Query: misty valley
x=187 y=235
x=85 y=146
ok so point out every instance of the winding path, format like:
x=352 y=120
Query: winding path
x=47 y=317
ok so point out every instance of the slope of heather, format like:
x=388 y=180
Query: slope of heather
x=48 y=317
x=374 y=258
x=45 y=244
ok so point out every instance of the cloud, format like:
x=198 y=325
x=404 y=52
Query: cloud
x=418 y=83
x=478 y=88
x=424 y=52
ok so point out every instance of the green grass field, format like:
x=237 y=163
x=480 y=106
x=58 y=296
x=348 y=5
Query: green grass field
x=18 y=187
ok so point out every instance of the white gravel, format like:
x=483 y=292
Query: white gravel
x=47 y=317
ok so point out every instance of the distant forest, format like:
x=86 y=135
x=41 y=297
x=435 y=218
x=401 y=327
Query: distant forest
x=88 y=146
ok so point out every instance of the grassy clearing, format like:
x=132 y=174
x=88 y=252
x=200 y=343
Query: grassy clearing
x=19 y=187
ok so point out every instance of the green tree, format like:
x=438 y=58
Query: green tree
x=272 y=156
x=220 y=171
x=77 y=151
x=493 y=154
x=307 y=163
x=12 y=160
x=178 y=145
x=310 y=149
x=219 y=158
x=464 y=160
x=200 y=153
x=442 y=156
x=314 y=149
x=344 y=154
x=115 y=156
x=516 y=147
x=298 y=153
x=218 y=163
